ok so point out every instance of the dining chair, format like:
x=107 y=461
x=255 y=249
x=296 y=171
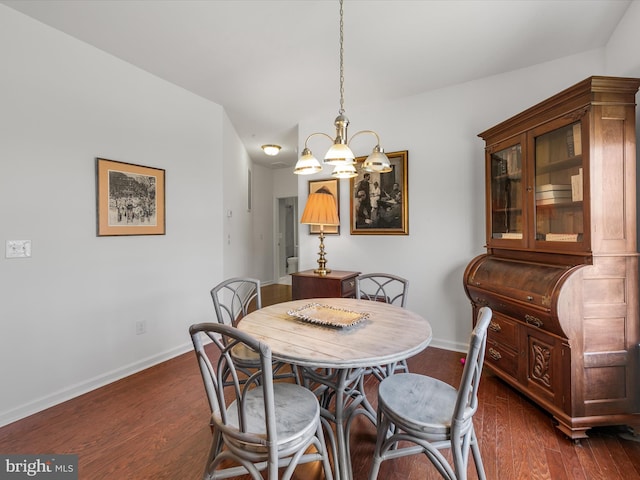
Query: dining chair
x=382 y=287
x=386 y=288
x=233 y=299
x=258 y=425
x=432 y=415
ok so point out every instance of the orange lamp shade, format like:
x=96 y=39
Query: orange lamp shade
x=320 y=209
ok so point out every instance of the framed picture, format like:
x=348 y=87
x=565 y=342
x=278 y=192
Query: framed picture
x=130 y=199
x=380 y=201
x=331 y=185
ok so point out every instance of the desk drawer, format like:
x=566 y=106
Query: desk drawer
x=503 y=330
x=505 y=359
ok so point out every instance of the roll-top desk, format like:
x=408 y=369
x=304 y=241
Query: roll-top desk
x=561 y=268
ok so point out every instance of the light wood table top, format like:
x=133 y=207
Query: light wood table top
x=389 y=334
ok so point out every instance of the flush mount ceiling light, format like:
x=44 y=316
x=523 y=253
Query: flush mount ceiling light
x=340 y=155
x=271 y=149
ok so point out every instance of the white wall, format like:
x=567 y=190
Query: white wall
x=68 y=313
x=262 y=231
x=622 y=54
x=446 y=185
x=285 y=183
x=237 y=223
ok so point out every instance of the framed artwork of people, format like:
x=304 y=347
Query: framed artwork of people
x=380 y=201
x=130 y=199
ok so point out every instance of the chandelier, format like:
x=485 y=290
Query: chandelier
x=340 y=155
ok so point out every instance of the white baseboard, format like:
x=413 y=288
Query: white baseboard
x=451 y=346
x=76 y=390
x=73 y=391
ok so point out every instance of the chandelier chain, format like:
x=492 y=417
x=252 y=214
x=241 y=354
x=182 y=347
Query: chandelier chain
x=340 y=155
x=341 y=111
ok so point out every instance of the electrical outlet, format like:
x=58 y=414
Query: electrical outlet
x=141 y=327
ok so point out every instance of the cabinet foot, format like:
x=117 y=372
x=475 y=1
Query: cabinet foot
x=575 y=434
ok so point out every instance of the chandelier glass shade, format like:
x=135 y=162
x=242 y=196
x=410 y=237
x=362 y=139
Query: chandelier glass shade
x=347 y=170
x=340 y=154
x=307 y=164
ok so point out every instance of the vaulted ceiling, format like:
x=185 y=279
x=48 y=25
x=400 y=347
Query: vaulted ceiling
x=270 y=63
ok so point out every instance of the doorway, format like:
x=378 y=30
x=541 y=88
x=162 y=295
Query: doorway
x=286 y=239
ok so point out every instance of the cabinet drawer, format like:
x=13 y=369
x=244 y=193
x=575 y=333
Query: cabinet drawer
x=349 y=287
x=503 y=331
x=502 y=358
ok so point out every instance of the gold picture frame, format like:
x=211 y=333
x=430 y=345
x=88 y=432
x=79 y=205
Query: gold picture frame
x=332 y=185
x=381 y=209
x=130 y=199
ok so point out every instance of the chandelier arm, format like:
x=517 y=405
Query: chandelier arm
x=365 y=131
x=317 y=133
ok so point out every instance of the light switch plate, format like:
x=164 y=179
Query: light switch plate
x=18 y=249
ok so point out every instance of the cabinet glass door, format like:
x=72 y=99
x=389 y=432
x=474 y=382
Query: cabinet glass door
x=506 y=193
x=559 y=181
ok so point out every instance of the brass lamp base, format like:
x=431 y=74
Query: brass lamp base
x=322 y=272
x=322 y=269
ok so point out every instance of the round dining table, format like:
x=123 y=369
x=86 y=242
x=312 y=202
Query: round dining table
x=335 y=341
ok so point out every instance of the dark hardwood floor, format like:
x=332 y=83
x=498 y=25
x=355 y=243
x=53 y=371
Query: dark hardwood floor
x=154 y=425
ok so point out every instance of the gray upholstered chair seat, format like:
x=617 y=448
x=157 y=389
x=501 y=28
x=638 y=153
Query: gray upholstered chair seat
x=419 y=403
x=296 y=409
x=245 y=357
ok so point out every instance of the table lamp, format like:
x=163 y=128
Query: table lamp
x=321 y=210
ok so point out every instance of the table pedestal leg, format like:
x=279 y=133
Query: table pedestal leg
x=344 y=457
x=340 y=387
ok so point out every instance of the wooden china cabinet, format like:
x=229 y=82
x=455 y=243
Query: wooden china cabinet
x=561 y=268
